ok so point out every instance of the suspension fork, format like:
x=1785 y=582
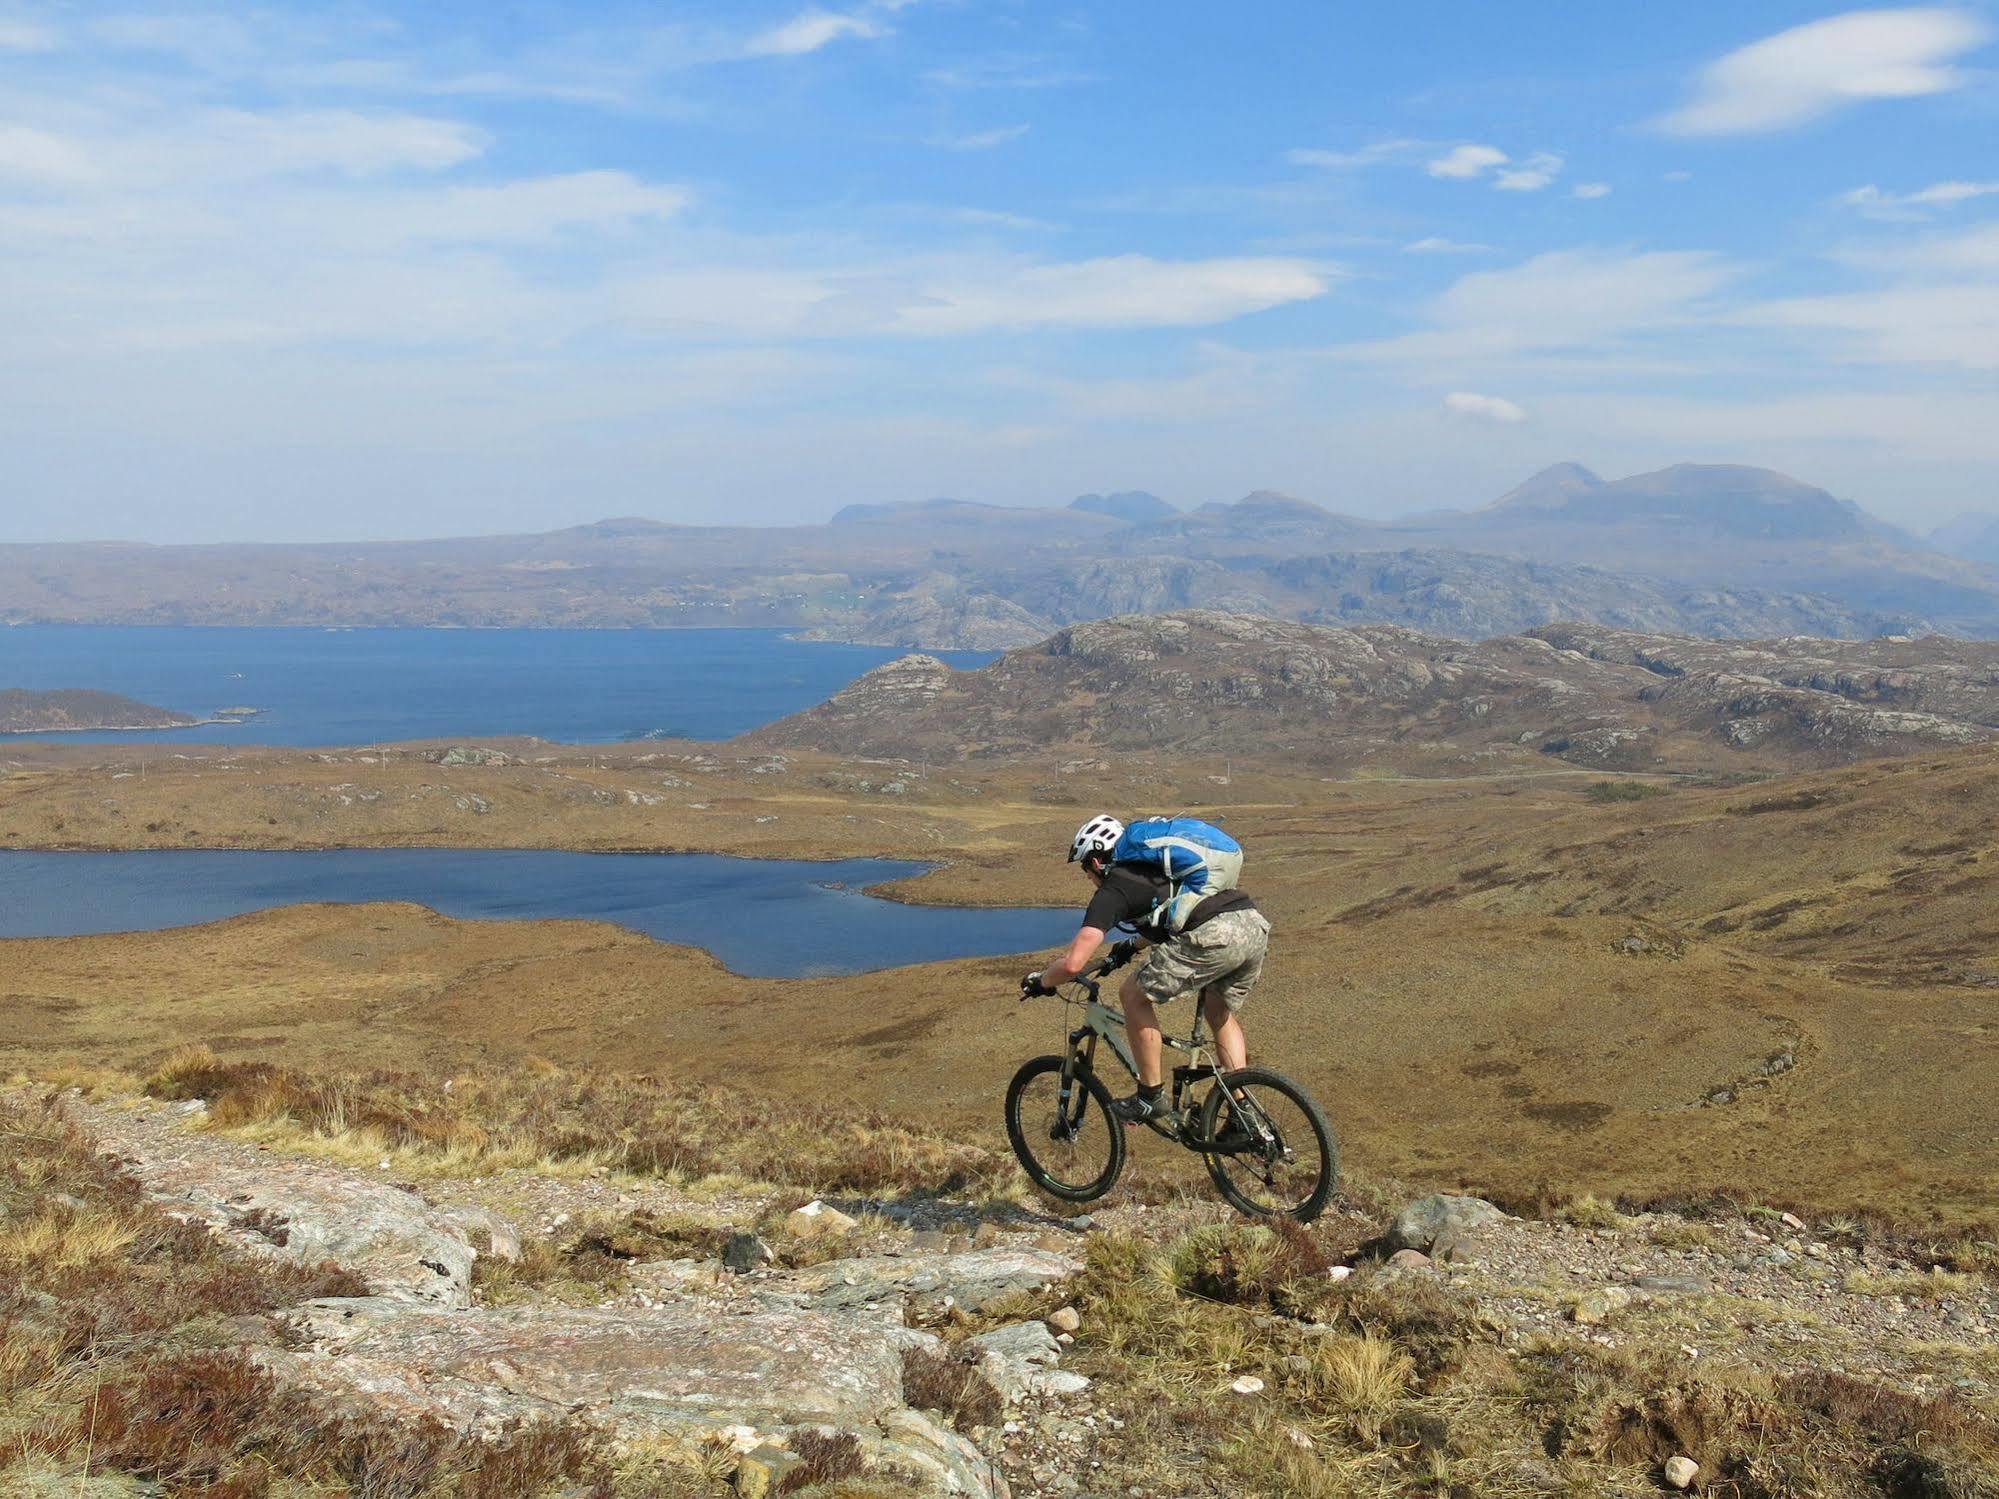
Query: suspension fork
x=1082 y=1057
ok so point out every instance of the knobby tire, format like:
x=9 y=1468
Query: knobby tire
x=1025 y=1134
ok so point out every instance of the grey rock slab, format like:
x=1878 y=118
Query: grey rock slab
x=937 y=1457
x=395 y=1241
x=1022 y=1342
x=968 y=1280
x=1420 y=1224
x=633 y=1370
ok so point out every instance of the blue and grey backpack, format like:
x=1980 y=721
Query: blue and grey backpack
x=1196 y=859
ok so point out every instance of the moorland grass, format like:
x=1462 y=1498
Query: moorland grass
x=546 y=1119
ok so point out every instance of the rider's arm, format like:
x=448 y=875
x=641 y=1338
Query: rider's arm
x=1073 y=962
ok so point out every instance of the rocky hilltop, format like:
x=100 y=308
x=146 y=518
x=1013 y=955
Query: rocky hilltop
x=1218 y=684
x=1692 y=549
x=24 y=712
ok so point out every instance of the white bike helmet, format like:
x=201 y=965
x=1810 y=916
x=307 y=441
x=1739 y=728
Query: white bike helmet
x=1097 y=836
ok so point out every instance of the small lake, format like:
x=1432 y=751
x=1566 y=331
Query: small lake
x=331 y=687
x=766 y=918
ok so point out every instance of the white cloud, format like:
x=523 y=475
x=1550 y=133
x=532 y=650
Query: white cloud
x=1914 y=207
x=1531 y=175
x=1436 y=244
x=25 y=36
x=1470 y=404
x=1591 y=190
x=808 y=31
x=1939 y=305
x=983 y=140
x=39 y=156
x=1339 y=161
x=527 y=211
x=1466 y=162
x=1592 y=301
x=1676 y=176
x=1815 y=69
x=1123 y=291
x=1951 y=325
x=999 y=219
x=1972 y=253
x=246 y=143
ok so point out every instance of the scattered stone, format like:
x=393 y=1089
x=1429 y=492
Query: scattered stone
x=760 y=1473
x=1673 y=1285
x=1339 y=1272
x=1423 y=1222
x=1409 y=1259
x=1248 y=1384
x=1020 y=1342
x=1681 y=1471
x=1792 y=1221
x=1594 y=1308
x=745 y=1252
x=1456 y=1247
x=1298 y=1439
x=1065 y=1319
x=816 y=1218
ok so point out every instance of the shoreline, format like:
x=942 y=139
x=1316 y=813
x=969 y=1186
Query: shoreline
x=136 y=728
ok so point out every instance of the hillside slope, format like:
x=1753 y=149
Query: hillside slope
x=1208 y=683
x=25 y=712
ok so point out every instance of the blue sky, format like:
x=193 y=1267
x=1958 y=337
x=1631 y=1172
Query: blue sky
x=360 y=270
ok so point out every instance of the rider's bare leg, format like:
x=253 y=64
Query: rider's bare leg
x=1231 y=1045
x=1141 y=1023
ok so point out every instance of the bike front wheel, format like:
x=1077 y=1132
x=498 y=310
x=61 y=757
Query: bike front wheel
x=1270 y=1151
x=1068 y=1141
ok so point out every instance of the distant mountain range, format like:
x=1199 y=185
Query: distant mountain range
x=1692 y=549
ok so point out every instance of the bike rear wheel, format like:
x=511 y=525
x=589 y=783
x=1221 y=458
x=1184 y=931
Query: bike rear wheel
x=1281 y=1157
x=1074 y=1148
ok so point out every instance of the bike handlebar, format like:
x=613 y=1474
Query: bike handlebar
x=1086 y=979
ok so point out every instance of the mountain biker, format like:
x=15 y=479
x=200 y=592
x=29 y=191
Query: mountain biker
x=1218 y=952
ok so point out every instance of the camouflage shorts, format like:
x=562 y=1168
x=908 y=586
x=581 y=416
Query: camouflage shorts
x=1223 y=956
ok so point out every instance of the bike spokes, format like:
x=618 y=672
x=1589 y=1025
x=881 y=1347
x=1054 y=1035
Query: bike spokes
x=1267 y=1150
x=1061 y=1127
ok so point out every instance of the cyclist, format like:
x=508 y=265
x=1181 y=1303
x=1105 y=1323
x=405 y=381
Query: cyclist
x=1218 y=952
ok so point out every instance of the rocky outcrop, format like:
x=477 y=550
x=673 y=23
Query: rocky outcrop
x=739 y=1361
x=1210 y=682
x=675 y=1367
x=408 y=1251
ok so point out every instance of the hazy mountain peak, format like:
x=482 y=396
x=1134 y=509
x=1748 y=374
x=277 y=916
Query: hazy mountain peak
x=1550 y=488
x=1134 y=505
x=622 y=525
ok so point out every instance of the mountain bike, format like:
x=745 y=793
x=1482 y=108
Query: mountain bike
x=1266 y=1144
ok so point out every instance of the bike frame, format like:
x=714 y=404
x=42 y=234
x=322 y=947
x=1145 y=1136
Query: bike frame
x=1102 y=1023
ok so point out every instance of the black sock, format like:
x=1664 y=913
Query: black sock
x=1154 y=1095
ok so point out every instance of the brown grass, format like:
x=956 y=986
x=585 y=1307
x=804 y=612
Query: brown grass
x=951 y=1385
x=545 y=1117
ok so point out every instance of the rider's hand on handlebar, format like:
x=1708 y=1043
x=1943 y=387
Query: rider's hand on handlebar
x=1121 y=953
x=1031 y=987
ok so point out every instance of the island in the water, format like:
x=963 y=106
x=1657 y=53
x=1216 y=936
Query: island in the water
x=77 y=710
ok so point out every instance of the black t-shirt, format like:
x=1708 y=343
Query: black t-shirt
x=1127 y=896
